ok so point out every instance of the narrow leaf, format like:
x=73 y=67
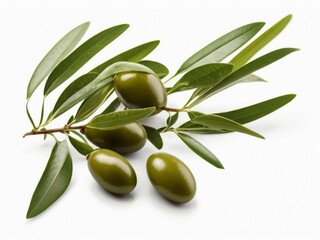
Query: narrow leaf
x=207 y=75
x=77 y=91
x=242 y=72
x=113 y=119
x=200 y=149
x=154 y=136
x=82 y=55
x=259 y=110
x=54 y=181
x=246 y=79
x=219 y=49
x=215 y=122
x=132 y=55
x=92 y=103
x=81 y=147
x=172 y=119
x=247 y=53
x=159 y=69
x=58 y=52
x=113 y=106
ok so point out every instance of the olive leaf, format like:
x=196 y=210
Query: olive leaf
x=259 y=110
x=246 y=79
x=92 y=103
x=113 y=106
x=154 y=136
x=172 y=119
x=204 y=76
x=132 y=55
x=71 y=64
x=58 y=52
x=159 y=69
x=200 y=149
x=82 y=147
x=238 y=75
x=247 y=53
x=77 y=91
x=54 y=181
x=219 y=49
x=113 y=119
x=218 y=123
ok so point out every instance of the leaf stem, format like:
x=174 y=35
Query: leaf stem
x=53 y=130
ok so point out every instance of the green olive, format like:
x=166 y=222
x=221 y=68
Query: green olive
x=112 y=171
x=171 y=177
x=125 y=139
x=140 y=90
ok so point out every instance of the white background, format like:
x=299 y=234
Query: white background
x=269 y=188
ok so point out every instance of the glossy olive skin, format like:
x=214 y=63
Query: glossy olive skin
x=140 y=90
x=171 y=177
x=125 y=139
x=112 y=171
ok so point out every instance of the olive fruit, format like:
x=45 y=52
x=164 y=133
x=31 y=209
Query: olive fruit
x=171 y=177
x=112 y=171
x=123 y=139
x=140 y=90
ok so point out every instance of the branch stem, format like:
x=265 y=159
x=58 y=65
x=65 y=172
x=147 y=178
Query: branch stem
x=53 y=130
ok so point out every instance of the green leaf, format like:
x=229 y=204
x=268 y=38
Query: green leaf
x=200 y=149
x=113 y=119
x=82 y=55
x=154 y=136
x=54 y=181
x=242 y=72
x=159 y=69
x=218 y=123
x=246 y=79
x=81 y=147
x=219 y=49
x=92 y=103
x=132 y=55
x=113 y=106
x=259 y=110
x=123 y=67
x=172 y=119
x=247 y=53
x=77 y=91
x=204 y=76
x=58 y=52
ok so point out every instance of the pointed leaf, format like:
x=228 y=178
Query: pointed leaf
x=113 y=106
x=242 y=72
x=81 y=147
x=247 y=53
x=132 y=55
x=204 y=76
x=215 y=122
x=259 y=110
x=82 y=55
x=172 y=119
x=113 y=119
x=246 y=79
x=77 y=91
x=200 y=149
x=159 y=69
x=54 y=181
x=58 y=52
x=219 y=49
x=92 y=103
x=154 y=136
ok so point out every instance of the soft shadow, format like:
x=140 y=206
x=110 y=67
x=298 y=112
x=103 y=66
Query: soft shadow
x=124 y=198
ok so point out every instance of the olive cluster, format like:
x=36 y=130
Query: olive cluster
x=169 y=175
